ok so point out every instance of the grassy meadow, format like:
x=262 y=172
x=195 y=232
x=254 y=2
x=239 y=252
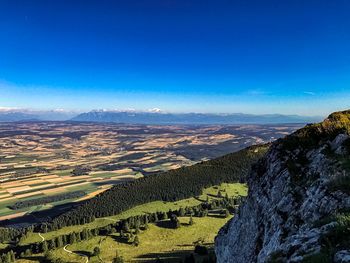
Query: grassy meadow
x=170 y=245
x=157 y=241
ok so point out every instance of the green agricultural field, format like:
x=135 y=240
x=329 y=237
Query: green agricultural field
x=63 y=172
x=105 y=174
x=5 y=211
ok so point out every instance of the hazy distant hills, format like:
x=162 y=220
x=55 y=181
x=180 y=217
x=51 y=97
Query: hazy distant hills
x=28 y=115
x=189 y=118
x=16 y=116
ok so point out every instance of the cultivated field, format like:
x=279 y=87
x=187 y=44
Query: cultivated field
x=41 y=160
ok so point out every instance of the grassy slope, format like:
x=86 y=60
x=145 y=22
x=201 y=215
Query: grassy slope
x=158 y=241
x=234 y=189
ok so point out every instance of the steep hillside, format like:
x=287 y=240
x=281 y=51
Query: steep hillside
x=298 y=204
x=173 y=185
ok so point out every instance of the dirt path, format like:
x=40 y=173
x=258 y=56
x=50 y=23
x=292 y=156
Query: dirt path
x=71 y=252
x=42 y=238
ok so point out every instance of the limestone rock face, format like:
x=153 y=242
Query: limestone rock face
x=291 y=193
x=342 y=256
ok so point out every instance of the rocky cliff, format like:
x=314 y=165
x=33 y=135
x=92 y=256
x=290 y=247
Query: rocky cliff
x=298 y=205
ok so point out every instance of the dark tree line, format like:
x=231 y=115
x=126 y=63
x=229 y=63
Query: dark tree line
x=46 y=199
x=8 y=234
x=81 y=170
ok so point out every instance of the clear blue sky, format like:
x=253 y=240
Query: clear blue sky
x=285 y=56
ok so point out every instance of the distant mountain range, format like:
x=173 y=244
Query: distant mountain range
x=152 y=117
x=189 y=118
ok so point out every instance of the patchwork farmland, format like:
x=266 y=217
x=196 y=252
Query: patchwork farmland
x=50 y=166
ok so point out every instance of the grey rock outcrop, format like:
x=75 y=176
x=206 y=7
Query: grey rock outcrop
x=342 y=256
x=289 y=195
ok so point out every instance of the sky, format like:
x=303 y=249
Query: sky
x=289 y=57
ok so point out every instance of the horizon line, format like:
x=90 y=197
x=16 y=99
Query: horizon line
x=153 y=110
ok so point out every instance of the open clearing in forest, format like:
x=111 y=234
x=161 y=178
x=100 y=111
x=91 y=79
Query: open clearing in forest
x=170 y=245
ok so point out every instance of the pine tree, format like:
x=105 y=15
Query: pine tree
x=97 y=251
x=131 y=238
x=77 y=237
x=126 y=227
x=27 y=252
x=136 y=241
x=191 y=221
x=51 y=244
x=146 y=222
x=44 y=228
x=65 y=239
x=89 y=233
x=72 y=238
x=175 y=221
x=84 y=234
x=181 y=212
x=118 y=259
x=205 y=212
x=12 y=256
x=44 y=246
x=226 y=213
x=59 y=241
x=137 y=223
